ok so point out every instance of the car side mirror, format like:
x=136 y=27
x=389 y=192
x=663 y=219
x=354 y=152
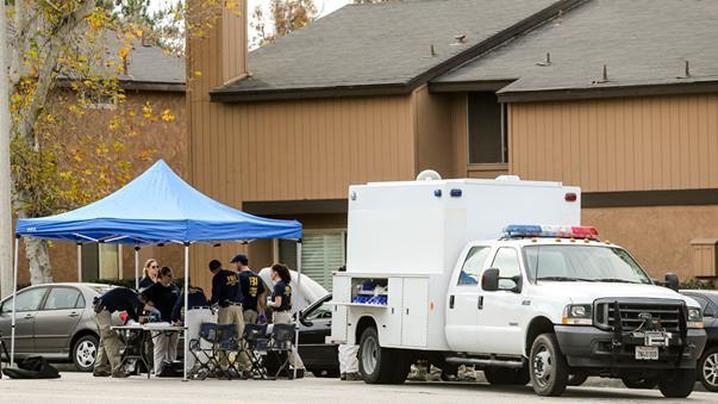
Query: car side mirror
x=672 y=281
x=512 y=284
x=490 y=280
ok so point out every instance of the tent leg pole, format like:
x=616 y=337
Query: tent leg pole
x=137 y=268
x=299 y=287
x=79 y=262
x=186 y=305
x=14 y=295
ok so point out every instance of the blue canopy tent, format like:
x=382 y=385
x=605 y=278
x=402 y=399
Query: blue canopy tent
x=155 y=208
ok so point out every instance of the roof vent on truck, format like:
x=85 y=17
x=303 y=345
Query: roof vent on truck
x=524 y=230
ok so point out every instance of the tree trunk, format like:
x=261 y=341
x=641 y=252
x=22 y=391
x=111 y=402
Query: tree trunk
x=38 y=256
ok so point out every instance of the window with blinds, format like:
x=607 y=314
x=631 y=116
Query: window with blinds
x=322 y=253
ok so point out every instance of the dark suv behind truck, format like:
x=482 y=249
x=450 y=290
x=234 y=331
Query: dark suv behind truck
x=708 y=362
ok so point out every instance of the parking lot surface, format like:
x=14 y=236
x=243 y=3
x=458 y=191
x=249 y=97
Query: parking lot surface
x=83 y=388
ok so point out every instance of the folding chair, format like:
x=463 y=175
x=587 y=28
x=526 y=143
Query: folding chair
x=256 y=343
x=205 y=361
x=226 y=343
x=280 y=345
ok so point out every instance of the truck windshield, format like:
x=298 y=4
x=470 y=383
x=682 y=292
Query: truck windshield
x=572 y=263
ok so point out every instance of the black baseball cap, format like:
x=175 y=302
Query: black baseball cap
x=214 y=265
x=241 y=258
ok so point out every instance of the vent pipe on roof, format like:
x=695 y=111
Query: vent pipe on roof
x=459 y=39
x=546 y=62
x=604 y=76
x=433 y=51
x=686 y=72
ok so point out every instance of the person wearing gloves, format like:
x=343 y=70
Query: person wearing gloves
x=199 y=312
x=281 y=304
x=108 y=356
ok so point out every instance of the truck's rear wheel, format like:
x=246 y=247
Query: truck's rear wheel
x=547 y=366
x=506 y=376
x=380 y=365
x=677 y=383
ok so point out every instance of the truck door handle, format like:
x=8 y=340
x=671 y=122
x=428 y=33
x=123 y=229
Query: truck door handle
x=73 y=314
x=28 y=316
x=451 y=301
x=480 y=303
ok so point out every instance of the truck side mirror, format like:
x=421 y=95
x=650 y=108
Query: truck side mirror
x=490 y=280
x=672 y=281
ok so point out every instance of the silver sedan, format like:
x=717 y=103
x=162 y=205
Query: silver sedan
x=55 y=321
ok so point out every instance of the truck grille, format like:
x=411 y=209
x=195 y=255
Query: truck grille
x=666 y=312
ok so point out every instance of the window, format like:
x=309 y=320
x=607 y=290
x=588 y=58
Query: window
x=507 y=262
x=62 y=298
x=488 y=141
x=27 y=300
x=471 y=270
x=322 y=253
x=101 y=261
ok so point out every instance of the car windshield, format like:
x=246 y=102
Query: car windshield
x=571 y=263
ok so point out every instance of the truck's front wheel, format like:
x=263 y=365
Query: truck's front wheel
x=677 y=383
x=380 y=365
x=547 y=366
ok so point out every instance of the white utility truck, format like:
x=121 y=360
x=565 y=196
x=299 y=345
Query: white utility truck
x=467 y=271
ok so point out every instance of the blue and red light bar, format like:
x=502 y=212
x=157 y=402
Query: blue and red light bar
x=528 y=230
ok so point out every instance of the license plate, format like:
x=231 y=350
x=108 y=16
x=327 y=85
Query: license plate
x=656 y=338
x=647 y=353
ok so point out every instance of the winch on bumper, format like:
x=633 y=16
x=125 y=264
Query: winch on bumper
x=646 y=334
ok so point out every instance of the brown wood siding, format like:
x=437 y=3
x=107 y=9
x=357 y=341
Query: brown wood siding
x=294 y=150
x=436 y=145
x=659 y=237
x=649 y=143
x=234 y=41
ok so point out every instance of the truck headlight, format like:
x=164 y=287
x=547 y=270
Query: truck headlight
x=577 y=314
x=695 y=318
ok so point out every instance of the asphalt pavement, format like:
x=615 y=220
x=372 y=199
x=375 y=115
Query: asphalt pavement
x=83 y=388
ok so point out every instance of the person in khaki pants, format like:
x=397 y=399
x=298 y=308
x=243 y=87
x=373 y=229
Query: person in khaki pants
x=108 y=356
x=253 y=293
x=227 y=293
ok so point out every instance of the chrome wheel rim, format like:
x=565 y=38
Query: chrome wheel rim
x=85 y=353
x=710 y=369
x=369 y=355
x=542 y=367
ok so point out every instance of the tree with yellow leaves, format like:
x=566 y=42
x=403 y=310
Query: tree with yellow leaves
x=61 y=61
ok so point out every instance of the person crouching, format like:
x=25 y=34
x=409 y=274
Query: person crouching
x=109 y=359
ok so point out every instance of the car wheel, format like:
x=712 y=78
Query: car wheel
x=84 y=353
x=677 y=383
x=548 y=367
x=379 y=365
x=708 y=369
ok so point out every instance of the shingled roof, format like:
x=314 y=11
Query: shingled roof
x=643 y=43
x=152 y=68
x=391 y=47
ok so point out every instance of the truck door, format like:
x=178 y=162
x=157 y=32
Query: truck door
x=501 y=316
x=464 y=302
